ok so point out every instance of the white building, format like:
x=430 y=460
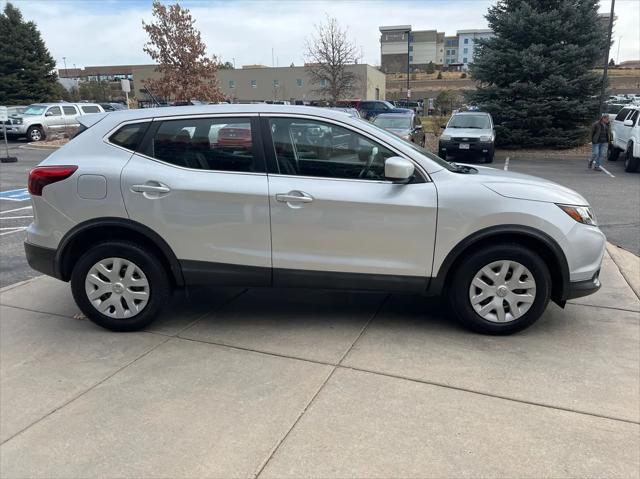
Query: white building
x=466 y=42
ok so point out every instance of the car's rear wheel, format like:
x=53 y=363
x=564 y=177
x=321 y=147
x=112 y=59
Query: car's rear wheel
x=613 y=154
x=500 y=290
x=35 y=133
x=120 y=286
x=630 y=162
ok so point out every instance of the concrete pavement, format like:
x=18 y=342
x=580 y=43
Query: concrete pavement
x=288 y=383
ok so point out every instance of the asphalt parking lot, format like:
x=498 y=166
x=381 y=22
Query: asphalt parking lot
x=615 y=197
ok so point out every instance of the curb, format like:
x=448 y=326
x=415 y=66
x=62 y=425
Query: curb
x=35 y=146
x=20 y=283
x=628 y=264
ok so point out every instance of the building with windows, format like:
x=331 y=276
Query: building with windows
x=421 y=47
x=247 y=84
x=466 y=43
x=402 y=48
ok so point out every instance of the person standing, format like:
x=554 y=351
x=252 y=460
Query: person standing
x=600 y=140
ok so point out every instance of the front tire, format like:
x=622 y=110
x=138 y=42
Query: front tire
x=500 y=290
x=35 y=133
x=120 y=286
x=630 y=162
x=489 y=157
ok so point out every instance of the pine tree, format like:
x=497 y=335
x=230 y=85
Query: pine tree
x=27 y=70
x=536 y=75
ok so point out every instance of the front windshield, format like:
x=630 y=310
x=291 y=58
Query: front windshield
x=35 y=110
x=470 y=121
x=419 y=149
x=393 y=122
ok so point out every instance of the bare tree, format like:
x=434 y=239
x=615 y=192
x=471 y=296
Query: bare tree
x=176 y=45
x=327 y=53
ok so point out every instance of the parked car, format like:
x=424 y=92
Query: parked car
x=468 y=133
x=11 y=112
x=113 y=106
x=133 y=207
x=41 y=119
x=416 y=106
x=369 y=109
x=405 y=125
x=625 y=130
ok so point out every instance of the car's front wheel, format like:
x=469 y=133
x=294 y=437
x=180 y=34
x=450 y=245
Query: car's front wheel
x=500 y=290
x=613 y=153
x=120 y=286
x=631 y=163
x=35 y=133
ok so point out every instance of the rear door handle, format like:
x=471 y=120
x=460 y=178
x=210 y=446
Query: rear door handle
x=294 y=197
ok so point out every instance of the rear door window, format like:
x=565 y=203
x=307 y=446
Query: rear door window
x=221 y=144
x=69 y=110
x=634 y=116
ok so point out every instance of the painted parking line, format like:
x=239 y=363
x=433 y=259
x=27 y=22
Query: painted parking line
x=607 y=171
x=506 y=164
x=8 y=231
x=14 y=217
x=15 y=195
x=16 y=209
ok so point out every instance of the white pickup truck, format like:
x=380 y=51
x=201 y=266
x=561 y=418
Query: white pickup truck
x=625 y=129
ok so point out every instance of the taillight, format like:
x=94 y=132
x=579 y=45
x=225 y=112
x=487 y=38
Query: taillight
x=45 y=175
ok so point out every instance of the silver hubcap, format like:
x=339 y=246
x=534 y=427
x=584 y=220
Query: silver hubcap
x=117 y=288
x=35 y=135
x=502 y=291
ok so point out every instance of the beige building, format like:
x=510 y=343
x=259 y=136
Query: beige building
x=262 y=83
x=402 y=47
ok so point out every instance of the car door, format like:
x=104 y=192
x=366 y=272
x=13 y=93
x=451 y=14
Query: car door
x=620 y=132
x=201 y=184
x=335 y=220
x=53 y=119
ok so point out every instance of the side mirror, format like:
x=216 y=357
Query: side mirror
x=418 y=127
x=49 y=113
x=628 y=123
x=398 y=169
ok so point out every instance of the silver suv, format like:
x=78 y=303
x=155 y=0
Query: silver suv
x=42 y=119
x=145 y=201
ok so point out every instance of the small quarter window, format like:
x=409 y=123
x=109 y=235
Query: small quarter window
x=129 y=136
x=90 y=109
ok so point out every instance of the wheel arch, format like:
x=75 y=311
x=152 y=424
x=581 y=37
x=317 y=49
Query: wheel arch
x=538 y=241
x=84 y=235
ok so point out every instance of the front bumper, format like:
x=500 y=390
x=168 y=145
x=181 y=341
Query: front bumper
x=16 y=129
x=41 y=259
x=578 y=289
x=452 y=147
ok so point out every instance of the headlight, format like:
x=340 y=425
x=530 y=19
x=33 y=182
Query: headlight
x=485 y=139
x=445 y=137
x=17 y=121
x=582 y=214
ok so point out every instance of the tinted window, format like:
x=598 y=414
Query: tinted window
x=129 y=136
x=54 y=111
x=634 y=116
x=311 y=148
x=623 y=114
x=90 y=109
x=69 y=110
x=223 y=144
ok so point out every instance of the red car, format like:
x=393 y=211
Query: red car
x=237 y=136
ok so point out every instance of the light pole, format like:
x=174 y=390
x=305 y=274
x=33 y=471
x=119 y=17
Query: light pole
x=606 y=57
x=64 y=60
x=408 y=63
x=618 y=56
x=234 y=62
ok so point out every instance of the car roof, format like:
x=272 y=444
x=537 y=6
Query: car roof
x=397 y=114
x=472 y=113
x=144 y=113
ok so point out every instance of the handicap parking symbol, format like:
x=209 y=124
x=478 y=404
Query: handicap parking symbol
x=15 y=195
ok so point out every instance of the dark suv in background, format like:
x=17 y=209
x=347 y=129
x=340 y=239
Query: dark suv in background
x=369 y=109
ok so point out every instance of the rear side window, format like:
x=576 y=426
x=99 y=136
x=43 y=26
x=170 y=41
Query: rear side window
x=129 y=136
x=634 y=116
x=90 y=109
x=623 y=114
x=221 y=144
x=70 y=110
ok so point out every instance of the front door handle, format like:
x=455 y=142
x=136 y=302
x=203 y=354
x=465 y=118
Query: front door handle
x=294 y=197
x=151 y=187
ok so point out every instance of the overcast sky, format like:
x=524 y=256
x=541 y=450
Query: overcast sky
x=109 y=32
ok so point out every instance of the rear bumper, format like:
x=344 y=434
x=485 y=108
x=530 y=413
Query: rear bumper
x=41 y=259
x=453 y=147
x=578 y=289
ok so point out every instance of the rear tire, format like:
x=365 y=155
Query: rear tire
x=613 y=154
x=630 y=162
x=442 y=154
x=507 y=304
x=134 y=286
